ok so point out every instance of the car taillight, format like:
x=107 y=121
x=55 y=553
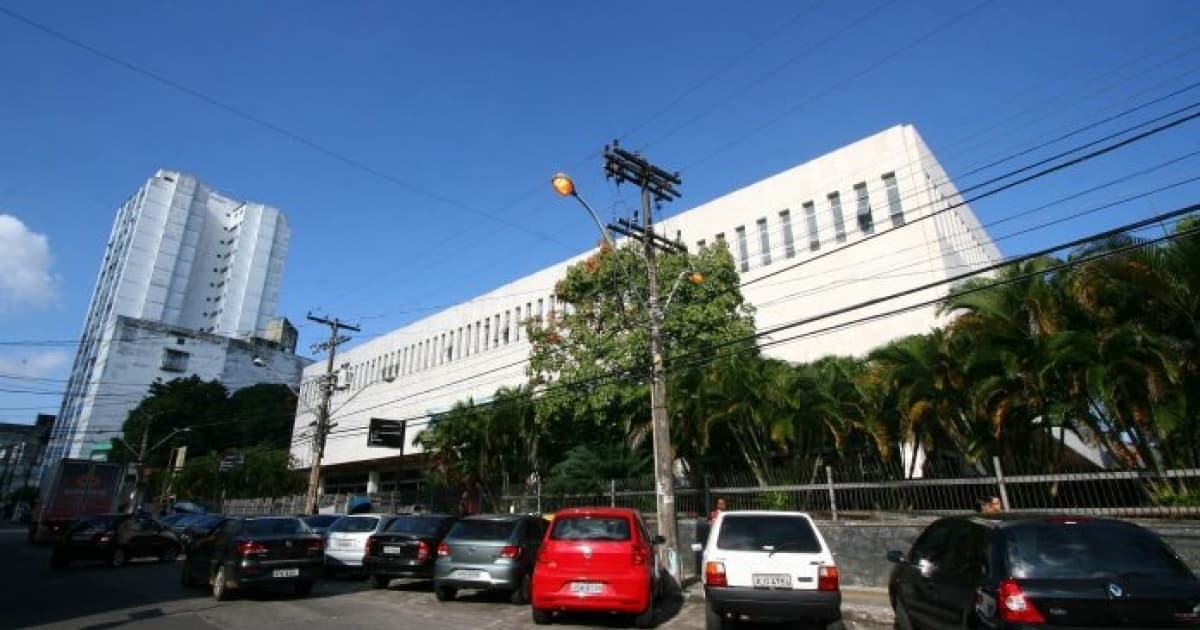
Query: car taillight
x=422 y=551
x=510 y=551
x=714 y=574
x=1015 y=607
x=639 y=555
x=250 y=547
x=827 y=578
x=370 y=548
x=316 y=545
x=443 y=550
x=104 y=537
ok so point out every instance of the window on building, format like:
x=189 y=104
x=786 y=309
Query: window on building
x=893 y=196
x=865 y=223
x=449 y=347
x=487 y=332
x=517 y=328
x=743 y=248
x=764 y=241
x=540 y=311
x=720 y=237
x=789 y=242
x=699 y=244
x=496 y=333
x=174 y=360
x=839 y=223
x=810 y=220
x=507 y=326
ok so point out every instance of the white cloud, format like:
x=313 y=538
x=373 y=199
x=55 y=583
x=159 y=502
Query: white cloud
x=25 y=278
x=35 y=364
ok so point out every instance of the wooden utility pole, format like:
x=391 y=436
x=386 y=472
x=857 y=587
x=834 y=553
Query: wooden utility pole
x=321 y=430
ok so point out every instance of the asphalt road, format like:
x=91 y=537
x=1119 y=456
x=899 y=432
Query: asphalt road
x=148 y=595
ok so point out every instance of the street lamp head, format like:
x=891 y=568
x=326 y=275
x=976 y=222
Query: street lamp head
x=563 y=184
x=696 y=278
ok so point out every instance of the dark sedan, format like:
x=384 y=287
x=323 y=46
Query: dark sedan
x=407 y=547
x=115 y=539
x=248 y=552
x=1010 y=572
x=198 y=527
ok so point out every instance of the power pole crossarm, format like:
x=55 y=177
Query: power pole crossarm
x=327 y=387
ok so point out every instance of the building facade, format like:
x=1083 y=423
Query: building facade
x=181 y=255
x=887 y=191
x=22 y=447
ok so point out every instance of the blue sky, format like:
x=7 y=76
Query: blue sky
x=480 y=102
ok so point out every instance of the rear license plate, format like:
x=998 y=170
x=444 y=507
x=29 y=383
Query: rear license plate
x=343 y=544
x=282 y=573
x=771 y=580
x=588 y=588
x=392 y=550
x=466 y=574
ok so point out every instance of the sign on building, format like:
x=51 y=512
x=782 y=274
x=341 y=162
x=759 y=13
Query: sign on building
x=386 y=433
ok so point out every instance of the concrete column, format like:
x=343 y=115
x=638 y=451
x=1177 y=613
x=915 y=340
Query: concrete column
x=373 y=482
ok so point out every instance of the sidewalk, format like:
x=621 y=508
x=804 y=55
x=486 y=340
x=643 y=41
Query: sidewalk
x=859 y=603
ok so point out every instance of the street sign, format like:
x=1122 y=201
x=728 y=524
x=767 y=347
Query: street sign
x=386 y=433
x=231 y=461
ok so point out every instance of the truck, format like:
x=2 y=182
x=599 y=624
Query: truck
x=74 y=489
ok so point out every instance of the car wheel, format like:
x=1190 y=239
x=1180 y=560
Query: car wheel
x=117 y=558
x=380 y=581
x=220 y=588
x=712 y=619
x=520 y=595
x=444 y=593
x=303 y=588
x=646 y=618
x=540 y=616
x=903 y=621
x=170 y=555
x=59 y=561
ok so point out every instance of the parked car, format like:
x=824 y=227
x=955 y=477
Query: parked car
x=320 y=523
x=488 y=552
x=346 y=539
x=250 y=552
x=1008 y=571
x=115 y=539
x=598 y=560
x=769 y=566
x=406 y=548
x=199 y=527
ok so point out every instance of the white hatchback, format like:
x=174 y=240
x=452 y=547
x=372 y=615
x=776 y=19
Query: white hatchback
x=769 y=566
x=346 y=539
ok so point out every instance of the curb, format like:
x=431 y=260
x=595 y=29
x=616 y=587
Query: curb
x=851 y=611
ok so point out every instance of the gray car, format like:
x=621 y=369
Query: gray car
x=488 y=552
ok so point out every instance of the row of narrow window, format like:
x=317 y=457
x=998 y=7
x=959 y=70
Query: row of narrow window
x=863 y=216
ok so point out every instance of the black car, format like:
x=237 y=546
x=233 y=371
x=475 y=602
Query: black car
x=247 y=552
x=1014 y=571
x=115 y=539
x=199 y=526
x=406 y=547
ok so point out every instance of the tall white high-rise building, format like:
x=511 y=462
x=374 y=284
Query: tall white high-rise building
x=184 y=264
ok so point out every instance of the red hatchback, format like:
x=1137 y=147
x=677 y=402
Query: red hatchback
x=597 y=560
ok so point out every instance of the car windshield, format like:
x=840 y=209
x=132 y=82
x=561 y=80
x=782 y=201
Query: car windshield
x=322 y=520
x=417 y=525
x=753 y=532
x=482 y=530
x=357 y=524
x=274 y=526
x=590 y=528
x=1085 y=549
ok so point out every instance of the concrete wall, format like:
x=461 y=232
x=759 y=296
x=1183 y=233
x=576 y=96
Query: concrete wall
x=860 y=547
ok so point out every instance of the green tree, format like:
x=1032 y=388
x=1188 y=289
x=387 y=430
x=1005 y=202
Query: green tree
x=263 y=415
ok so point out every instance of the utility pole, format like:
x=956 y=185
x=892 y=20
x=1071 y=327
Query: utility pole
x=327 y=389
x=622 y=166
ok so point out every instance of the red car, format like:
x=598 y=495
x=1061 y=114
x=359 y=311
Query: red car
x=597 y=560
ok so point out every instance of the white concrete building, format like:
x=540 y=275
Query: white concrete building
x=779 y=231
x=184 y=256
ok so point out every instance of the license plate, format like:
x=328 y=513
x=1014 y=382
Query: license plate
x=282 y=573
x=771 y=580
x=588 y=588
x=392 y=550
x=343 y=544
x=464 y=574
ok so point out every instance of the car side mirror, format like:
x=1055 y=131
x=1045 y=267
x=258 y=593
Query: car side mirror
x=697 y=547
x=658 y=540
x=896 y=557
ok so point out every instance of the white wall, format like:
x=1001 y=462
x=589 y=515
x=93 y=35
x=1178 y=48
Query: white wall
x=928 y=251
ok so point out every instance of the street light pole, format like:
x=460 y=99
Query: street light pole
x=327 y=388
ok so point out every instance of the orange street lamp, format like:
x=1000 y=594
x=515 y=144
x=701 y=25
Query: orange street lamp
x=565 y=186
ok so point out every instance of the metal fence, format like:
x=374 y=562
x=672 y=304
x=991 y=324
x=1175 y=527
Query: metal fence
x=842 y=492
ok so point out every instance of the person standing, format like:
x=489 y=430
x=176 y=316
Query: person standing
x=712 y=516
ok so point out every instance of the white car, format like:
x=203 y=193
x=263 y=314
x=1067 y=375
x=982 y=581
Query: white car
x=346 y=539
x=769 y=566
